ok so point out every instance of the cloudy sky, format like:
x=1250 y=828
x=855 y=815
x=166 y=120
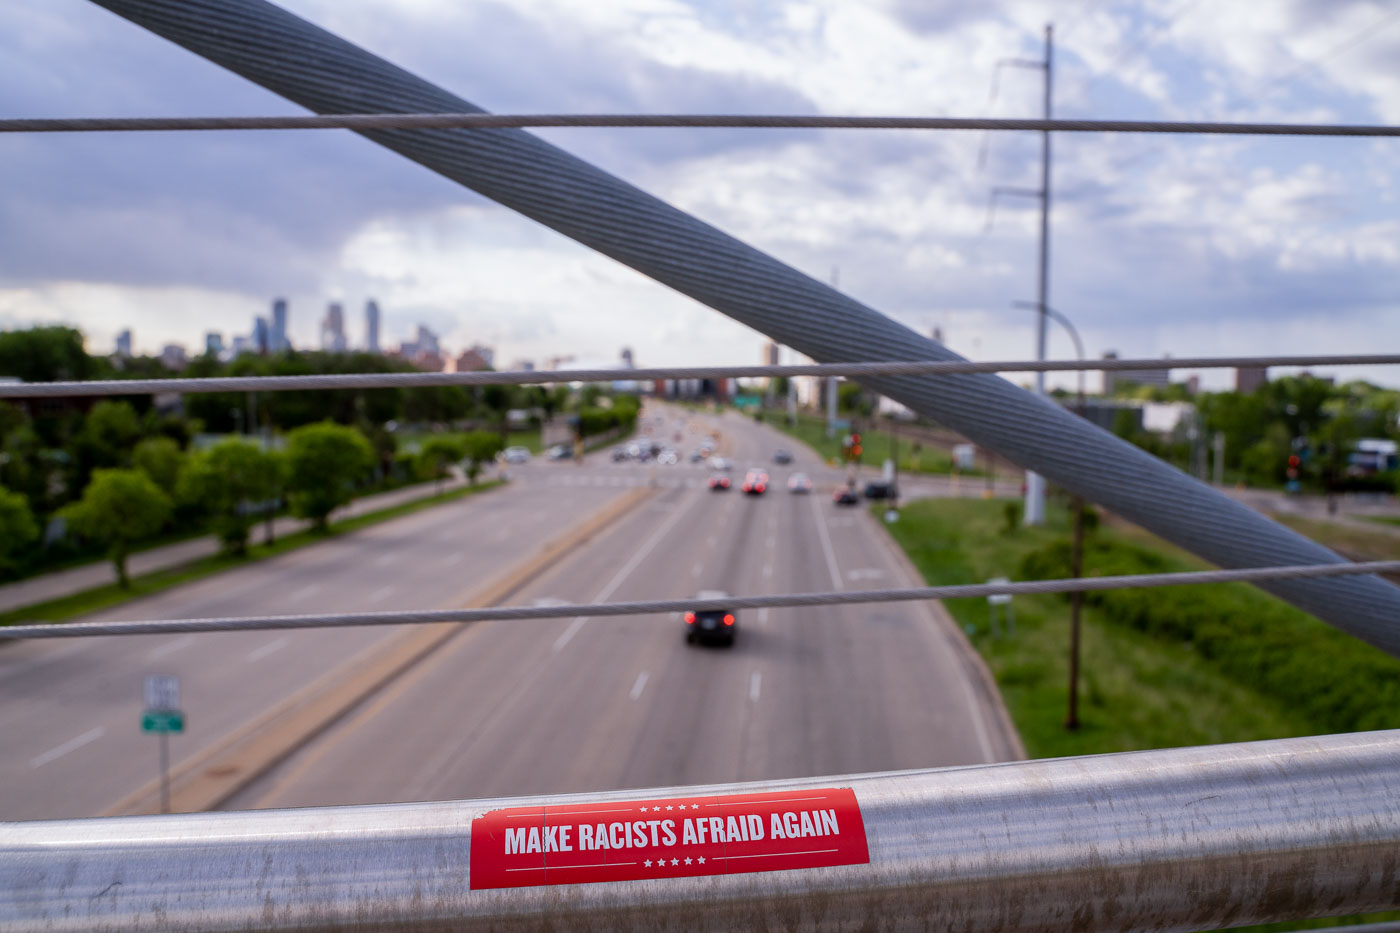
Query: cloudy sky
x=1161 y=245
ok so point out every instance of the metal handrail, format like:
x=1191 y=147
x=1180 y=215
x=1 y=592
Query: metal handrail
x=1188 y=838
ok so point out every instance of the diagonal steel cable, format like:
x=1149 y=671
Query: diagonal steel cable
x=537 y=377
x=649 y=607
x=326 y=74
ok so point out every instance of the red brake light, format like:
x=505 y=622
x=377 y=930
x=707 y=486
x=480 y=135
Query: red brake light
x=728 y=619
x=690 y=618
x=760 y=487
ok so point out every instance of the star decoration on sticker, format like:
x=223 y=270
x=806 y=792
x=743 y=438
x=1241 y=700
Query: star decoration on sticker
x=669 y=807
x=695 y=806
x=675 y=861
x=647 y=863
x=701 y=860
x=687 y=861
x=644 y=809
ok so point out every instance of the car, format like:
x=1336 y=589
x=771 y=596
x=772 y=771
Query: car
x=516 y=455
x=717 y=625
x=721 y=464
x=667 y=457
x=846 y=496
x=881 y=489
x=620 y=454
x=719 y=482
x=755 y=482
x=697 y=455
x=798 y=482
x=782 y=457
x=561 y=452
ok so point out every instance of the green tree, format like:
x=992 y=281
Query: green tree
x=437 y=456
x=227 y=482
x=109 y=432
x=18 y=529
x=44 y=354
x=479 y=448
x=160 y=458
x=119 y=508
x=324 y=462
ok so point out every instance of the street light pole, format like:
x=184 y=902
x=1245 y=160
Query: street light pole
x=1076 y=559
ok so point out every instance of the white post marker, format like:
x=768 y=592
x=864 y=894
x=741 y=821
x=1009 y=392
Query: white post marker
x=163 y=716
x=995 y=602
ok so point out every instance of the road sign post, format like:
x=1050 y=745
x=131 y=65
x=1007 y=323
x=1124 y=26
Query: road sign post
x=163 y=716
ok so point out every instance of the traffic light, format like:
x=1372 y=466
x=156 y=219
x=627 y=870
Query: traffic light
x=855 y=446
x=1293 y=462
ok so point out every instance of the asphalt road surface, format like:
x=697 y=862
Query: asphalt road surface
x=513 y=708
x=70 y=709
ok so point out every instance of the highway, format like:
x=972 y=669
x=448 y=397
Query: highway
x=545 y=706
x=575 y=705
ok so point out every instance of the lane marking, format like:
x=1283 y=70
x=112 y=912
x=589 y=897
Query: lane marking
x=91 y=735
x=763 y=615
x=311 y=589
x=639 y=686
x=277 y=644
x=767 y=571
x=865 y=573
x=385 y=560
x=641 y=554
x=755 y=682
x=170 y=647
x=697 y=570
x=382 y=593
x=826 y=546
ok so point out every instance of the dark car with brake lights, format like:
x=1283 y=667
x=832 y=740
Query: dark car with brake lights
x=714 y=625
x=755 y=482
x=845 y=495
x=719 y=482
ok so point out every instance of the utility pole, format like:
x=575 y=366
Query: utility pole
x=831 y=380
x=1035 y=483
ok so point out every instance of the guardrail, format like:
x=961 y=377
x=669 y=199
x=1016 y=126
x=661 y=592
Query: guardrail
x=1179 y=839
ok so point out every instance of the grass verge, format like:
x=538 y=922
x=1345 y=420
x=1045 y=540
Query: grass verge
x=878 y=445
x=109 y=595
x=1161 y=667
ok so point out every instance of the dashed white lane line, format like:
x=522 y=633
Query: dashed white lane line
x=92 y=735
x=642 y=552
x=865 y=573
x=277 y=644
x=755 y=683
x=170 y=647
x=763 y=615
x=382 y=593
x=826 y=545
x=638 y=687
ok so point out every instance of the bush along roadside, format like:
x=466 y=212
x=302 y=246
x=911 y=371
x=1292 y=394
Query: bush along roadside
x=1338 y=682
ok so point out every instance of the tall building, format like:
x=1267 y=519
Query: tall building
x=333 y=329
x=213 y=344
x=372 y=326
x=262 y=335
x=172 y=356
x=770 y=353
x=627 y=360
x=1250 y=379
x=124 y=343
x=277 y=339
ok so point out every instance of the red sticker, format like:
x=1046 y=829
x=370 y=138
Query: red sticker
x=628 y=840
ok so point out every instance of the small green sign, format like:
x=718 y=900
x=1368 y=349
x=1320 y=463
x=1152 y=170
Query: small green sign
x=162 y=720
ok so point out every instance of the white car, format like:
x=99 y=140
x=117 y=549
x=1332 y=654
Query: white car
x=668 y=457
x=720 y=464
x=516 y=455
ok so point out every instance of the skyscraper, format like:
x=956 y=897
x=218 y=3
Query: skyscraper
x=262 y=335
x=213 y=344
x=372 y=326
x=124 y=343
x=333 y=329
x=277 y=339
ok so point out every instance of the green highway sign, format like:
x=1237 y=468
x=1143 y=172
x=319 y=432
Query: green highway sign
x=162 y=720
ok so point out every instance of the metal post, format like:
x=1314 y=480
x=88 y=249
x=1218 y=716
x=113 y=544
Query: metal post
x=830 y=406
x=164 y=772
x=1218 y=443
x=1035 y=484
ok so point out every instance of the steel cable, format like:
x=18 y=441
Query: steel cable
x=648 y=607
x=533 y=377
